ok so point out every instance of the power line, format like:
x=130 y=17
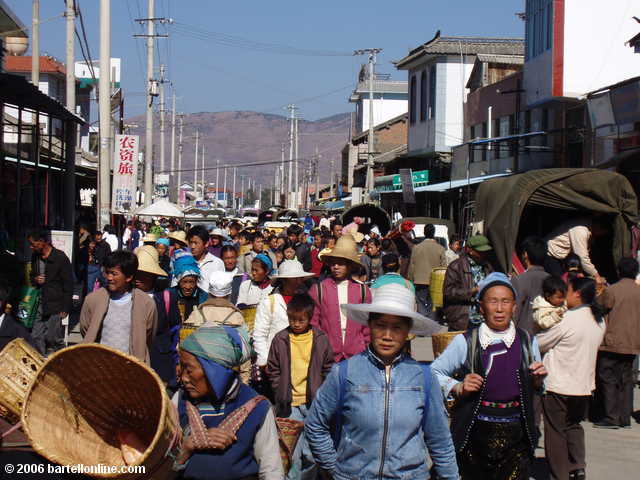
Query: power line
x=234 y=41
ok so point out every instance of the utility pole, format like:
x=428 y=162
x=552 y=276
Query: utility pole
x=70 y=15
x=292 y=113
x=297 y=186
x=173 y=138
x=242 y=177
x=162 y=111
x=282 y=180
x=195 y=167
x=204 y=188
x=104 y=95
x=372 y=53
x=259 y=204
x=217 y=184
x=151 y=92
x=234 y=188
x=317 y=176
x=224 y=190
x=331 y=179
x=35 y=43
x=180 y=157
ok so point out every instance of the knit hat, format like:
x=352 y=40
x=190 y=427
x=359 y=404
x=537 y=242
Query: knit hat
x=220 y=284
x=185 y=265
x=492 y=280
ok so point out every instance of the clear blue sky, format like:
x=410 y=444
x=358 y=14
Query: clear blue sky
x=213 y=77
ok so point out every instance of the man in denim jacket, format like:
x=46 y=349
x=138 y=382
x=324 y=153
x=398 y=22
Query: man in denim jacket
x=384 y=409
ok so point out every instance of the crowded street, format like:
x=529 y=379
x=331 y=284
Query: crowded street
x=431 y=272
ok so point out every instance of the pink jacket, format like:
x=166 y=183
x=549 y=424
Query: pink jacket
x=327 y=317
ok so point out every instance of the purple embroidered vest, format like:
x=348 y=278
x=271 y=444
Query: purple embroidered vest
x=501 y=366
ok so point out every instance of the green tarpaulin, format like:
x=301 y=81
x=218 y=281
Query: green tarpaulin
x=501 y=201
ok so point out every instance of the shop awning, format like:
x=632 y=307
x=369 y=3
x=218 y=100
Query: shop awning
x=444 y=186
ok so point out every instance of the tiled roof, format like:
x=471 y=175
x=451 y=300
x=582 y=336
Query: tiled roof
x=403 y=117
x=19 y=64
x=501 y=59
x=467 y=45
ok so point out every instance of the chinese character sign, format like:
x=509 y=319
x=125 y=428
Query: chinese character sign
x=125 y=173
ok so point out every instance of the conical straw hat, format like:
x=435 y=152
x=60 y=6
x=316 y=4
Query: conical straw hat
x=148 y=260
x=346 y=247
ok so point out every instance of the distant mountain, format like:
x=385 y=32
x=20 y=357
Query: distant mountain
x=244 y=137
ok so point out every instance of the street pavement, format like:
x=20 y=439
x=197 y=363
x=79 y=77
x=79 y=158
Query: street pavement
x=610 y=454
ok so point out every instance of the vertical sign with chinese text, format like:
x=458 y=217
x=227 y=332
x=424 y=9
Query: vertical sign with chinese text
x=125 y=173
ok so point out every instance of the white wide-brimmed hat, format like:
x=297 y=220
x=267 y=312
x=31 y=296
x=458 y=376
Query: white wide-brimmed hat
x=392 y=299
x=218 y=232
x=291 y=269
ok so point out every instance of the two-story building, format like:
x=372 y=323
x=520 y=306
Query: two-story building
x=438 y=75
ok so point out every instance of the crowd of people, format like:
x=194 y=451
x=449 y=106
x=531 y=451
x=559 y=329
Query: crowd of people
x=314 y=324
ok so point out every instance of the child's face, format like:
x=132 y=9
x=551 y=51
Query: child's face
x=373 y=249
x=299 y=322
x=557 y=299
x=289 y=253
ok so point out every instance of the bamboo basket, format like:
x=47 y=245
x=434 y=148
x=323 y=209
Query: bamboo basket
x=187 y=329
x=85 y=396
x=436 y=286
x=440 y=341
x=19 y=363
x=289 y=432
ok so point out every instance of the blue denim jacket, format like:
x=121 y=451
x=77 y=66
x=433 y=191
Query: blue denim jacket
x=383 y=436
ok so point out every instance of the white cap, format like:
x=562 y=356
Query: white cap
x=220 y=284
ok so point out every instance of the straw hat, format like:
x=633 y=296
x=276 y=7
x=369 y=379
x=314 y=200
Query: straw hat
x=148 y=260
x=179 y=236
x=345 y=248
x=392 y=299
x=291 y=269
x=150 y=237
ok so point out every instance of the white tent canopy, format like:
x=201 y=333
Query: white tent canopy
x=160 y=208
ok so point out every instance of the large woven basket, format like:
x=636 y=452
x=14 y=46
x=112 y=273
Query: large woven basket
x=85 y=397
x=289 y=432
x=440 y=341
x=19 y=363
x=186 y=330
x=436 y=287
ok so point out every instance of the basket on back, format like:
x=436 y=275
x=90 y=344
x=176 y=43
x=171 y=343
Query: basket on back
x=19 y=363
x=440 y=341
x=91 y=405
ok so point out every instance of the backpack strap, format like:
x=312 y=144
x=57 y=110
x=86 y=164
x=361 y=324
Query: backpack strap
x=167 y=297
x=319 y=289
x=472 y=350
x=272 y=303
x=363 y=292
x=342 y=390
x=426 y=372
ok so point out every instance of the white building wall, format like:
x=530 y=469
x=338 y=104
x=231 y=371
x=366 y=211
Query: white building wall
x=537 y=78
x=595 y=53
x=383 y=109
x=446 y=129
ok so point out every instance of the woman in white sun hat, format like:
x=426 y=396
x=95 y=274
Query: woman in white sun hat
x=271 y=314
x=386 y=408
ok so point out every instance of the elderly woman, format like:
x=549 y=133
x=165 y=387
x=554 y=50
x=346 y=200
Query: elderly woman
x=492 y=371
x=211 y=391
x=386 y=408
x=185 y=278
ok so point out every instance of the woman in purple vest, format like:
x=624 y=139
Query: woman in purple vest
x=491 y=371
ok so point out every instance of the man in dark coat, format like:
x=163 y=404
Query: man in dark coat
x=460 y=284
x=529 y=284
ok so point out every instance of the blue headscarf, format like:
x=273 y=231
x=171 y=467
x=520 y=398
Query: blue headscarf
x=185 y=265
x=264 y=258
x=220 y=350
x=163 y=241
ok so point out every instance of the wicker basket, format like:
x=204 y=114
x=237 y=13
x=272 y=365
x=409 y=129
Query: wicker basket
x=19 y=363
x=187 y=329
x=440 y=341
x=436 y=286
x=84 y=397
x=249 y=315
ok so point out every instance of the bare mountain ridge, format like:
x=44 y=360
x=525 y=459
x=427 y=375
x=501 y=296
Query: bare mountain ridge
x=247 y=138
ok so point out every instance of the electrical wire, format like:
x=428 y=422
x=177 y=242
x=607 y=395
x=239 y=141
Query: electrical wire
x=234 y=41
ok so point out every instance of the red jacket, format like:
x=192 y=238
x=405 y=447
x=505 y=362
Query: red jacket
x=327 y=317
